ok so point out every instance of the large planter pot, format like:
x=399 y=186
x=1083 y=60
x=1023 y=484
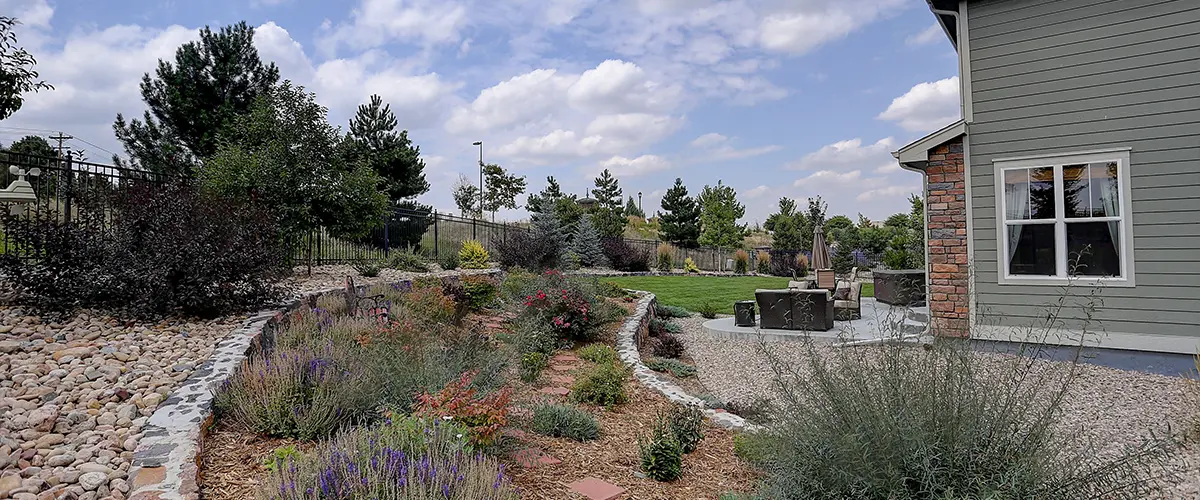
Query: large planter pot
x=905 y=287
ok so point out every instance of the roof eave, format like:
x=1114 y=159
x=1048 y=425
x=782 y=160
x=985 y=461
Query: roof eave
x=915 y=156
x=948 y=23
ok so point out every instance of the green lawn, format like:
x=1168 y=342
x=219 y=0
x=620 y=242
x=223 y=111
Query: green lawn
x=691 y=291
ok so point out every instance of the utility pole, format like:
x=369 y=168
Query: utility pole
x=60 y=138
x=480 y=144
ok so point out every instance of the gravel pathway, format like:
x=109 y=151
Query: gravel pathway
x=1116 y=408
x=333 y=276
x=75 y=395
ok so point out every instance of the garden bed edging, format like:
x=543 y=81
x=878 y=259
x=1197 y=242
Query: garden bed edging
x=627 y=346
x=166 y=461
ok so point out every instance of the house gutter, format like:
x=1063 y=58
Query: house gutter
x=962 y=77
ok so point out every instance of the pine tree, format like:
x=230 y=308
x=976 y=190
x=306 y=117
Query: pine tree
x=719 y=212
x=680 y=217
x=586 y=243
x=786 y=225
x=609 y=217
x=545 y=200
x=192 y=100
x=373 y=140
x=631 y=209
x=547 y=230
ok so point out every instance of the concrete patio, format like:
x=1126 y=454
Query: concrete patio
x=878 y=320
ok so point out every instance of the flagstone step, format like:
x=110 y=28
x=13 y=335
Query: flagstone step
x=533 y=457
x=555 y=391
x=596 y=489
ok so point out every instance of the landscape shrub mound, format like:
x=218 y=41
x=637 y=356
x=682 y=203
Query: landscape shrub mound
x=898 y=421
x=603 y=385
x=625 y=257
x=404 y=458
x=302 y=393
x=159 y=250
x=472 y=255
x=557 y=420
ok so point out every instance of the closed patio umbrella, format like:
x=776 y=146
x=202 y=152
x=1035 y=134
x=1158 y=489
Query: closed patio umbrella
x=820 y=251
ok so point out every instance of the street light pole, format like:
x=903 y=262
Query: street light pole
x=640 y=204
x=480 y=144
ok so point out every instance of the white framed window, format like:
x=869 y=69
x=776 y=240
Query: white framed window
x=1064 y=217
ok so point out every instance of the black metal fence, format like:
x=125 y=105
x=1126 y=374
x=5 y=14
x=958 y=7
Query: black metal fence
x=428 y=233
x=71 y=191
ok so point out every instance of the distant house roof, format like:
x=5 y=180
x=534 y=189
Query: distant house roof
x=948 y=22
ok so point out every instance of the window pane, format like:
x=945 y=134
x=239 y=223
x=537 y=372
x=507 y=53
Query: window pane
x=1093 y=248
x=1041 y=192
x=1031 y=249
x=1090 y=190
x=1016 y=194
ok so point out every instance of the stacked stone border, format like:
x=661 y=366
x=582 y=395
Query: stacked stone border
x=632 y=334
x=166 y=462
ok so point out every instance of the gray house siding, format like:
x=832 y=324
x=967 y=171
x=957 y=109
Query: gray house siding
x=1076 y=75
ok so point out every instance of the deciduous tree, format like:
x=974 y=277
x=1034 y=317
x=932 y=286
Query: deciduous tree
x=466 y=197
x=284 y=154
x=502 y=190
x=18 y=75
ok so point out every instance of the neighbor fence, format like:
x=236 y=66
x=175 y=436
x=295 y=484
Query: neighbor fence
x=71 y=191
x=428 y=233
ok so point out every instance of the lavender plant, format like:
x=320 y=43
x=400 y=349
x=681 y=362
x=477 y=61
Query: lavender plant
x=404 y=458
x=303 y=393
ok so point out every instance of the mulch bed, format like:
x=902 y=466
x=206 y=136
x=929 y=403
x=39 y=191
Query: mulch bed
x=231 y=459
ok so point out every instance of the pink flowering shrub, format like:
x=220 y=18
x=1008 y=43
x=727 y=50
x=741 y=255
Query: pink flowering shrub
x=565 y=306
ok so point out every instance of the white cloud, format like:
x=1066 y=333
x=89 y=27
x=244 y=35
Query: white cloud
x=850 y=152
x=755 y=193
x=827 y=177
x=709 y=140
x=887 y=168
x=716 y=147
x=605 y=135
x=927 y=36
x=808 y=25
x=521 y=98
x=622 y=167
x=376 y=22
x=926 y=107
x=619 y=86
x=889 y=191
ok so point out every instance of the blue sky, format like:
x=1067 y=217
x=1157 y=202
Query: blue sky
x=774 y=97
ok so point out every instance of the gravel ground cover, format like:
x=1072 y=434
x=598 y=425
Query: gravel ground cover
x=1115 y=408
x=76 y=393
x=333 y=276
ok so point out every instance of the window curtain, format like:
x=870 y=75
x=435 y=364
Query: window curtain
x=1110 y=197
x=1017 y=207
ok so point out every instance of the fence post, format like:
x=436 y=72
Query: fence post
x=436 y=253
x=67 y=179
x=386 y=242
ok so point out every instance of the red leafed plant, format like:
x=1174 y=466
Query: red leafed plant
x=484 y=416
x=567 y=310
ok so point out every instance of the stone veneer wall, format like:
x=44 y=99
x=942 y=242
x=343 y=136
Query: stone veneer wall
x=166 y=462
x=946 y=207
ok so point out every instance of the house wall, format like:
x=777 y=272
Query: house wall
x=945 y=206
x=1076 y=75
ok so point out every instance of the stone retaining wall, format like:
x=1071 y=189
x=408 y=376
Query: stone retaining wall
x=166 y=462
x=632 y=334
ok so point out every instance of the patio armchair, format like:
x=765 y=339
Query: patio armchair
x=850 y=307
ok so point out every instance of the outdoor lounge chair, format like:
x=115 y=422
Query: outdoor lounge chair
x=851 y=307
x=795 y=309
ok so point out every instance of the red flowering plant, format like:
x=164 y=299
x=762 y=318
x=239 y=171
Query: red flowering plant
x=563 y=305
x=458 y=401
